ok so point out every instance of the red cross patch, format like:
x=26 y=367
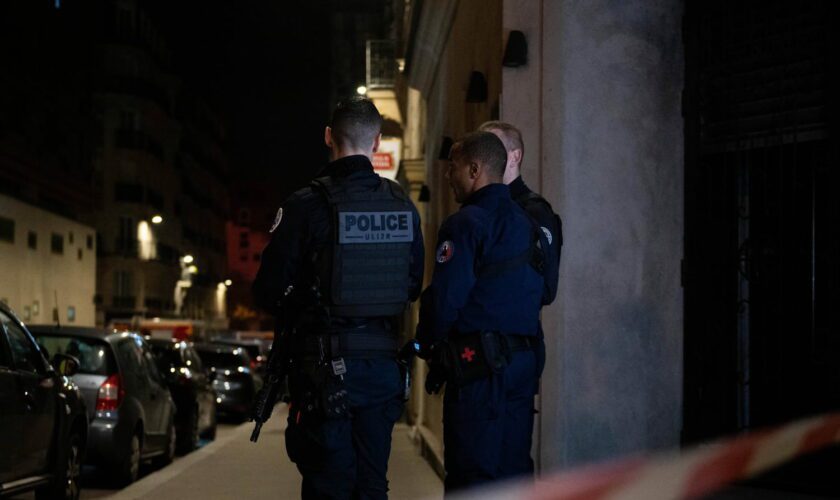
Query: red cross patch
x=468 y=354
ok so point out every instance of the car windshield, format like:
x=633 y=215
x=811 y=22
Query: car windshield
x=253 y=350
x=224 y=359
x=94 y=355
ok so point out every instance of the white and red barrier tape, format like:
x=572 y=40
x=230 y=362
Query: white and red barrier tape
x=688 y=473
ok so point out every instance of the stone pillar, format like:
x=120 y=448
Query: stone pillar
x=599 y=105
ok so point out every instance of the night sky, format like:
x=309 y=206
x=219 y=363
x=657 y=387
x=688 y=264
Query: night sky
x=265 y=66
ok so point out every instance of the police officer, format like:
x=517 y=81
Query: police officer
x=479 y=319
x=344 y=260
x=535 y=205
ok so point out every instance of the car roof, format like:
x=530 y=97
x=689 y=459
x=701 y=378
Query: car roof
x=77 y=331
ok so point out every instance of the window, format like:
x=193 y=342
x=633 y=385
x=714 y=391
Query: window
x=128 y=192
x=70 y=238
x=151 y=366
x=244 y=217
x=25 y=355
x=90 y=242
x=80 y=254
x=27 y=313
x=32 y=240
x=57 y=243
x=126 y=237
x=7 y=230
x=123 y=284
x=71 y=314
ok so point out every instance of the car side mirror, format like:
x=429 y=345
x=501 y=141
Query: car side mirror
x=65 y=364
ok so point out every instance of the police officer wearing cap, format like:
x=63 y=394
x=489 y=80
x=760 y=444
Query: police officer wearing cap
x=344 y=260
x=479 y=319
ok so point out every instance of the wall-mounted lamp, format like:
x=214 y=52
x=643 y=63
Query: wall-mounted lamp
x=425 y=195
x=516 y=50
x=477 y=91
x=445 y=146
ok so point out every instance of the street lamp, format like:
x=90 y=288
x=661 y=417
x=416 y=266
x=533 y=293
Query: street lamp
x=188 y=259
x=361 y=90
x=228 y=282
x=157 y=219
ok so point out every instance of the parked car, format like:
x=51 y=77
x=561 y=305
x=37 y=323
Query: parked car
x=43 y=421
x=131 y=413
x=254 y=348
x=191 y=388
x=235 y=382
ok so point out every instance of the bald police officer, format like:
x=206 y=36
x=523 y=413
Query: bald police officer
x=479 y=319
x=344 y=260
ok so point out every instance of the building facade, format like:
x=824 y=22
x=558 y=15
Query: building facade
x=47 y=265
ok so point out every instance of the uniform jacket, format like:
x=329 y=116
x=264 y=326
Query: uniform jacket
x=490 y=227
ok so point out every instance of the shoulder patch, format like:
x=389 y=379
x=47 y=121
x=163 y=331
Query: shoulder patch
x=277 y=219
x=548 y=235
x=445 y=252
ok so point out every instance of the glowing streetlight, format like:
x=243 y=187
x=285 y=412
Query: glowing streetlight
x=157 y=219
x=188 y=259
x=228 y=282
x=193 y=269
x=361 y=90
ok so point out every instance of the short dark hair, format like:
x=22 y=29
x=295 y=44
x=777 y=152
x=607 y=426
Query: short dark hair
x=355 y=122
x=484 y=148
x=512 y=136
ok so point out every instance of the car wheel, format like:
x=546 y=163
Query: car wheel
x=169 y=454
x=66 y=483
x=128 y=471
x=189 y=440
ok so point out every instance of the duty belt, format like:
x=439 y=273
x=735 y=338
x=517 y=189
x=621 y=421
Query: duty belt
x=521 y=342
x=348 y=345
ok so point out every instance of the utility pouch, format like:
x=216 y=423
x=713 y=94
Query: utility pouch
x=475 y=356
x=332 y=395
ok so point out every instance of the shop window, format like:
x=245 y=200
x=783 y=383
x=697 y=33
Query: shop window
x=32 y=240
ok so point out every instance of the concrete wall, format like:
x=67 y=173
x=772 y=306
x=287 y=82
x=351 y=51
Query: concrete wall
x=599 y=103
x=30 y=278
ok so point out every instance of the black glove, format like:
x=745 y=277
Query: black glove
x=435 y=378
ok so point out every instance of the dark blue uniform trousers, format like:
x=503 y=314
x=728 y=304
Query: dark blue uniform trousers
x=348 y=458
x=487 y=426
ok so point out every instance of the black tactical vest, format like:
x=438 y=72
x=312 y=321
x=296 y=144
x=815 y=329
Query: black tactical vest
x=365 y=269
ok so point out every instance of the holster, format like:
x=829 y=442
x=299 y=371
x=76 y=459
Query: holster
x=475 y=356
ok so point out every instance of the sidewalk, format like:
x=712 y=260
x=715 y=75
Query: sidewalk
x=233 y=467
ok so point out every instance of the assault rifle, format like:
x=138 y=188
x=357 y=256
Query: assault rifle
x=277 y=369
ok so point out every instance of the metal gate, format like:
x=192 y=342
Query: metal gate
x=762 y=242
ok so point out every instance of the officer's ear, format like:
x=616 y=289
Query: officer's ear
x=515 y=157
x=475 y=170
x=328 y=140
x=377 y=142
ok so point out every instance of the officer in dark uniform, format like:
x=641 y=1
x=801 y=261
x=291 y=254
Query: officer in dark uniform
x=479 y=320
x=535 y=205
x=344 y=260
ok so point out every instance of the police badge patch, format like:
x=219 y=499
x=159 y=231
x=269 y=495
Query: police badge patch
x=277 y=220
x=547 y=234
x=444 y=252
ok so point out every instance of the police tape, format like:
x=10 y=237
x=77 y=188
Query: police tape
x=688 y=473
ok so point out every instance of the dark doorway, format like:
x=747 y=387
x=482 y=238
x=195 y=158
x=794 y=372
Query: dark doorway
x=762 y=279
